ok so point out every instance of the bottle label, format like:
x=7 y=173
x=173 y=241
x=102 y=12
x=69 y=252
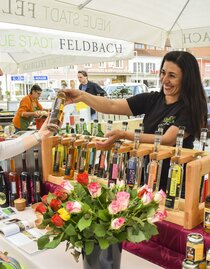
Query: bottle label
x=114 y=171
x=194 y=252
x=13 y=187
x=102 y=160
x=152 y=176
x=38 y=187
x=207 y=218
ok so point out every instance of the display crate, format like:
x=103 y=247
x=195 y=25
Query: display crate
x=191 y=210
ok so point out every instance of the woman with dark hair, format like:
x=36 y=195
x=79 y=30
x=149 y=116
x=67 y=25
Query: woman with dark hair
x=28 y=109
x=181 y=102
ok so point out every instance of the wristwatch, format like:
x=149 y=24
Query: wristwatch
x=38 y=137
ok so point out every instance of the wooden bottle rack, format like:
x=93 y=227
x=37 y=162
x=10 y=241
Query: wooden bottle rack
x=191 y=211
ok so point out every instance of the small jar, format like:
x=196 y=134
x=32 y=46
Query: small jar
x=208 y=259
x=195 y=247
x=56 y=116
x=186 y=264
x=206 y=222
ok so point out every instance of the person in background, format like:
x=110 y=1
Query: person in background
x=89 y=87
x=180 y=102
x=28 y=109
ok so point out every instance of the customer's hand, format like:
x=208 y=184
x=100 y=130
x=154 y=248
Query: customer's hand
x=4 y=257
x=38 y=113
x=72 y=96
x=112 y=136
x=44 y=132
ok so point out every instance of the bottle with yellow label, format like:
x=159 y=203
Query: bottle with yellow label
x=206 y=222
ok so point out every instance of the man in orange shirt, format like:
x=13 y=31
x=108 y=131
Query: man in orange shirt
x=28 y=109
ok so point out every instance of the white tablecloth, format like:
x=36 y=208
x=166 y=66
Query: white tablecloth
x=58 y=258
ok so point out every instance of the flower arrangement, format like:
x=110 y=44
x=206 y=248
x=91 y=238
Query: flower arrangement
x=86 y=214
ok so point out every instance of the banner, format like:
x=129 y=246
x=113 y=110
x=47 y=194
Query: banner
x=20 y=41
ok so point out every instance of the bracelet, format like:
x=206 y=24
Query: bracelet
x=37 y=137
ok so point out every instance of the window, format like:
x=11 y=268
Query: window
x=139 y=46
x=118 y=64
x=150 y=67
x=87 y=65
x=138 y=67
x=102 y=65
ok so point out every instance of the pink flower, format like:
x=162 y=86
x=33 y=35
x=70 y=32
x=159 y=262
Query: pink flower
x=123 y=198
x=94 y=189
x=147 y=198
x=142 y=190
x=158 y=216
x=67 y=186
x=159 y=196
x=73 y=207
x=117 y=223
x=114 y=207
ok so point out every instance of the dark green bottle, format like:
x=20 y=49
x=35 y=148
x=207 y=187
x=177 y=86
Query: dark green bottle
x=99 y=132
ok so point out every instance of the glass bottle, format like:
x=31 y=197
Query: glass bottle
x=36 y=178
x=56 y=115
x=25 y=181
x=4 y=199
x=67 y=128
x=131 y=171
x=152 y=168
x=113 y=167
x=71 y=156
x=84 y=157
x=81 y=122
x=206 y=222
x=99 y=131
x=58 y=158
x=202 y=145
x=94 y=127
x=124 y=125
x=85 y=130
x=13 y=182
x=175 y=175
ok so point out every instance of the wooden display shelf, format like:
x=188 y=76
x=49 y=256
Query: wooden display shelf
x=191 y=211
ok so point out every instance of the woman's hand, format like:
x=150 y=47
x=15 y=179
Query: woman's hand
x=112 y=136
x=72 y=96
x=4 y=257
x=44 y=132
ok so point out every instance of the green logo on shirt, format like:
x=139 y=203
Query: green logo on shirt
x=169 y=120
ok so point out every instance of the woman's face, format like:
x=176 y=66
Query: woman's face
x=82 y=79
x=171 y=79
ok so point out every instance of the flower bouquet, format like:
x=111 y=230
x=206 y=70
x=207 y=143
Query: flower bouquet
x=86 y=214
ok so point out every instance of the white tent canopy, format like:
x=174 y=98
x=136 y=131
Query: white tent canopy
x=185 y=22
x=24 y=51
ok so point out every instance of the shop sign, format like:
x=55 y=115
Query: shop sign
x=40 y=77
x=17 y=78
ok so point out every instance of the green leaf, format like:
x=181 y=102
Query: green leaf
x=84 y=223
x=103 y=243
x=70 y=230
x=48 y=242
x=138 y=220
x=100 y=230
x=89 y=246
x=135 y=236
x=42 y=241
x=103 y=215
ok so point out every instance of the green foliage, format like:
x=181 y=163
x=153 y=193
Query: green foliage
x=85 y=219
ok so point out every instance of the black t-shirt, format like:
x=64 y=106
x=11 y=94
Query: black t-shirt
x=158 y=112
